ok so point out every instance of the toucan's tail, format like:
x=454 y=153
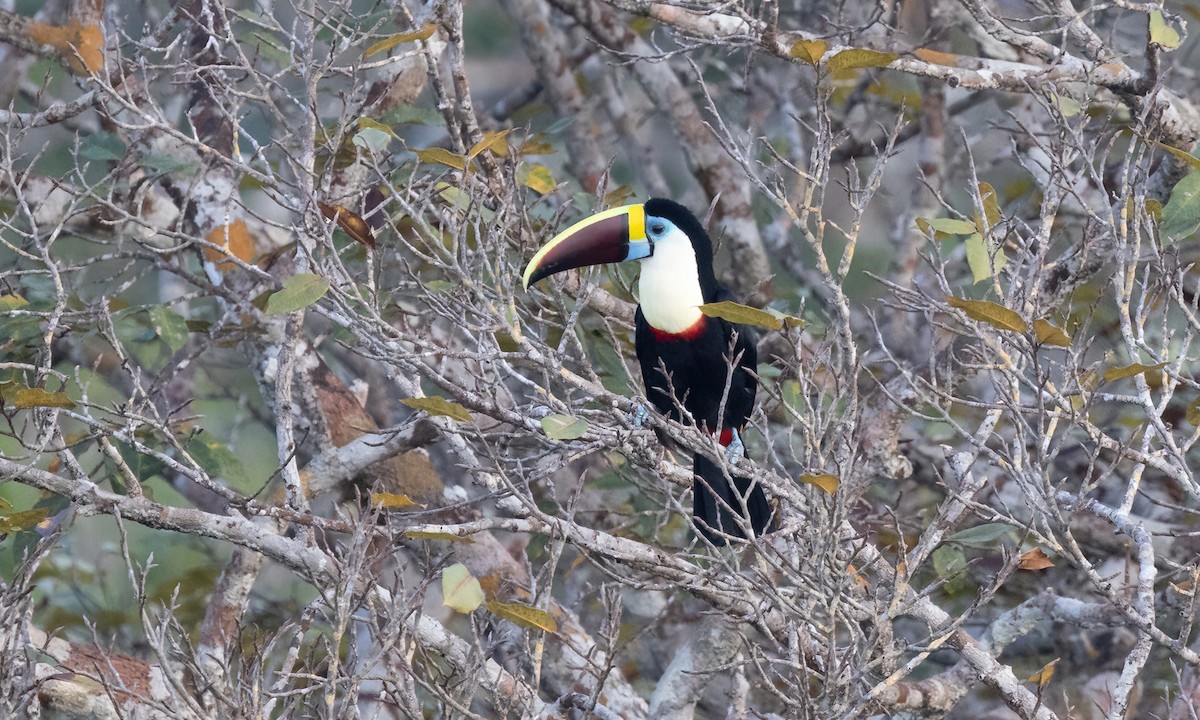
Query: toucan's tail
x=722 y=510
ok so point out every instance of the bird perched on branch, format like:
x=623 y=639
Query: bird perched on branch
x=697 y=369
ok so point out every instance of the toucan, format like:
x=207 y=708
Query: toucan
x=697 y=369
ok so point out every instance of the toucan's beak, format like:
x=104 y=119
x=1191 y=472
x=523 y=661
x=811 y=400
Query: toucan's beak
x=614 y=235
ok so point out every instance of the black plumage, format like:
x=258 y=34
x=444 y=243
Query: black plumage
x=694 y=365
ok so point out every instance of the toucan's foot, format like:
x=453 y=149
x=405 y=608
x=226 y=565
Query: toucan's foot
x=640 y=416
x=735 y=450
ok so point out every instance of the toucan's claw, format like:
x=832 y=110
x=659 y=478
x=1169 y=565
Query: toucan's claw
x=735 y=450
x=639 y=417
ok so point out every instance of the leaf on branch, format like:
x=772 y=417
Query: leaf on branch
x=1189 y=159
x=434 y=535
x=981 y=535
x=948 y=561
x=564 y=427
x=170 y=327
x=1042 y=677
x=393 y=501
x=1035 y=559
x=351 y=222
x=27 y=397
x=12 y=302
x=937 y=57
x=1181 y=216
x=981 y=260
x=523 y=615
x=437 y=405
x=23 y=520
x=299 y=291
x=442 y=156
x=460 y=590
x=809 y=51
x=493 y=141
x=388 y=43
x=995 y=315
x=537 y=178
x=1161 y=33
x=1128 y=371
x=952 y=226
x=743 y=314
x=1068 y=106
x=218 y=460
x=859 y=58
x=1047 y=334
x=825 y=481
x=991 y=207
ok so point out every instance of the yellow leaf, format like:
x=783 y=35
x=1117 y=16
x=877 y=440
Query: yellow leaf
x=442 y=156
x=1161 y=33
x=523 y=615
x=1183 y=155
x=460 y=590
x=1047 y=334
x=825 y=481
x=858 y=58
x=394 y=501
x=435 y=405
x=952 y=226
x=983 y=260
x=995 y=315
x=1035 y=559
x=38 y=397
x=537 y=178
x=493 y=141
x=809 y=51
x=390 y=42
x=991 y=206
x=1127 y=371
x=743 y=314
x=427 y=535
x=1042 y=677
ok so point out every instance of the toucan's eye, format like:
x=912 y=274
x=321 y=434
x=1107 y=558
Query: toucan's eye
x=658 y=228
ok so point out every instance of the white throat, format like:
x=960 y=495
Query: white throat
x=669 y=287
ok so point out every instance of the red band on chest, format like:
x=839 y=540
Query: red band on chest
x=688 y=333
x=726 y=437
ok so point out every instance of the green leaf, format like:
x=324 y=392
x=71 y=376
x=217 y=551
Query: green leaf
x=431 y=535
x=435 y=405
x=995 y=315
x=1068 y=106
x=952 y=226
x=27 y=397
x=523 y=615
x=743 y=314
x=981 y=260
x=170 y=326
x=809 y=51
x=299 y=291
x=23 y=520
x=825 y=481
x=1161 y=33
x=460 y=590
x=564 y=427
x=985 y=534
x=388 y=43
x=1128 y=371
x=102 y=147
x=857 y=58
x=1181 y=215
x=948 y=561
x=218 y=460
x=1187 y=158
x=371 y=138
x=1047 y=334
